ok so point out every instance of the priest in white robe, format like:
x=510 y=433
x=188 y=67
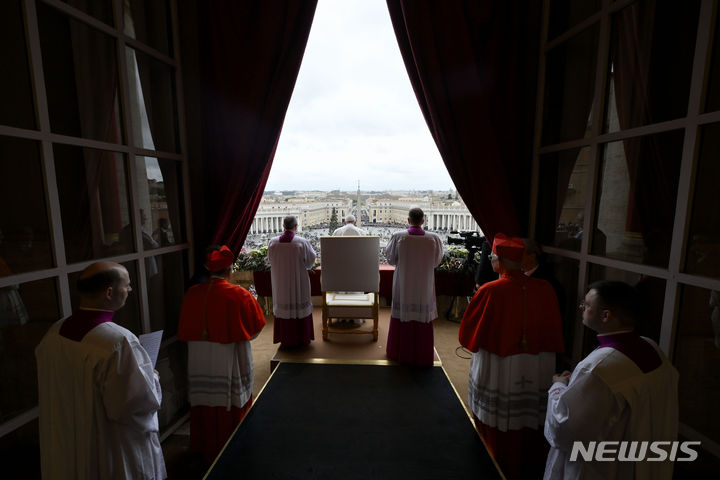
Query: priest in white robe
x=625 y=390
x=415 y=254
x=290 y=258
x=98 y=393
x=349 y=229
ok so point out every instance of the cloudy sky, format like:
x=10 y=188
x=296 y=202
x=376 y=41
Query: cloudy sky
x=353 y=115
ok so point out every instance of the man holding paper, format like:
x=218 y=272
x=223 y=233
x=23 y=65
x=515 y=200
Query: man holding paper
x=98 y=393
x=218 y=319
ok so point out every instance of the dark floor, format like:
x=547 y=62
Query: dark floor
x=180 y=463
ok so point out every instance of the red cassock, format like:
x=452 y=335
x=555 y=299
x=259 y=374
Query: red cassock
x=231 y=313
x=510 y=316
x=500 y=320
x=219 y=312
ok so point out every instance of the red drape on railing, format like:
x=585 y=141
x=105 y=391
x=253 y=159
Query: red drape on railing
x=473 y=67
x=250 y=55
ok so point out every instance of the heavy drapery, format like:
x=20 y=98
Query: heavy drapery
x=250 y=54
x=473 y=68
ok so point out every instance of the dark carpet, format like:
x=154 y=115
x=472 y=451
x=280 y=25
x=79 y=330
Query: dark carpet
x=315 y=421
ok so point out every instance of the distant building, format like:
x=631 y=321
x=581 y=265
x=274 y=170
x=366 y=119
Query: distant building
x=315 y=209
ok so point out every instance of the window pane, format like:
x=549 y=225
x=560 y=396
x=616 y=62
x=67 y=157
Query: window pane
x=713 y=89
x=92 y=185
x=566 y=273
x=643 y=90
x=703 y=254
x=129 y=315
x=149 y=22
x=152 y=102
x=565 y=14
x=81 y=78
x=159 y=192
x=26 y=312
x=561 y=199
x=20 y=452
x=637 y=193
x=166 y=275
x=652 y=298
x=697 y=355
x=100 y=9
x=172 y=368
x=569 y=88
x=16 y=98
x=24 y=234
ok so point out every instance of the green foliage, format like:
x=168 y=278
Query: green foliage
x=453 y=260
x=253 y=260
x=333 y=222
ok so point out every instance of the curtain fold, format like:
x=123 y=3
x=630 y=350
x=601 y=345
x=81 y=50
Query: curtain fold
x=473 y=66
x=645 y=35
x=631 y=54
x=96 y=80
x=250 y=54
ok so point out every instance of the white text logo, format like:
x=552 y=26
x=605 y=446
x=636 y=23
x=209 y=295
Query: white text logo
x=634 y=451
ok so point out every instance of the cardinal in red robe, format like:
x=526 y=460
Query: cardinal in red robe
x=218 y=319
x=512 y=325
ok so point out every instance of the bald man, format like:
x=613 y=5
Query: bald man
x=98 y=394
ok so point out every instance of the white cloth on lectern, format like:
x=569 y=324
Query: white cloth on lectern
x=348 y=230
x=289 y=263
x=415 y=258
x=221 y=375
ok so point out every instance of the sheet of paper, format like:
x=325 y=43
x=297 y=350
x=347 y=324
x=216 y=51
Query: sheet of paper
x=151 y=343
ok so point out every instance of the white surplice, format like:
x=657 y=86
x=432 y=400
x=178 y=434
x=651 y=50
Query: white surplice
x=348 y=230
x=415 y=258
x=510 y=393
x=609 y=398
x=289 y=263
x=221 y=375
x=98 y=402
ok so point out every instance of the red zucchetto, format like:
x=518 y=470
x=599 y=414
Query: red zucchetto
x=219 y=259
x=508 y=248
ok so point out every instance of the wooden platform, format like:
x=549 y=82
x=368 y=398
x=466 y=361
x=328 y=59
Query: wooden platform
x=342 y=349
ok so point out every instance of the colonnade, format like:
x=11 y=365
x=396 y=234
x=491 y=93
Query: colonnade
x=451 y=221
x=268 y=224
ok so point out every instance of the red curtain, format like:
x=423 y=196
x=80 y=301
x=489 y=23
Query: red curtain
x=96 y=81
x=473 y=66
x=250 y=54
x=642 y=42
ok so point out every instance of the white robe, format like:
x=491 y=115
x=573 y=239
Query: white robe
x=289 y=263
x=415 y=258
x=348 y=230
x=609 y=398
x=98 y=401
x=510 y=393
x=221 y=375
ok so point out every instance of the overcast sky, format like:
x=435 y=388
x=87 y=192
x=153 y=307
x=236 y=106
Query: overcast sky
x=353 y=115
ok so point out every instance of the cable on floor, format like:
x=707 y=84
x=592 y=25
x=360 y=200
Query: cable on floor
x=464 y=350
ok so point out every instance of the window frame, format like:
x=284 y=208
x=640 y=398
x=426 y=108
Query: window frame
x=674 y=276
x=46 y=139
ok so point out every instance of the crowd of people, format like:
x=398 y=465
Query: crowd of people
x=99 y=393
